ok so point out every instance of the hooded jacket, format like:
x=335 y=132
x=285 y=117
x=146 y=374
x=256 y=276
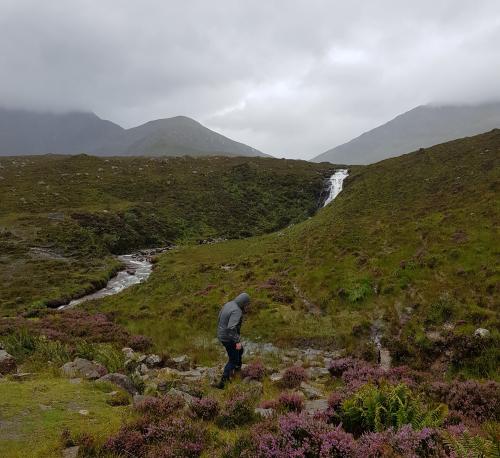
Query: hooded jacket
x=230 y=317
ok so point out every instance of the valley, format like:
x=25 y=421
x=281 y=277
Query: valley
x=367 y=283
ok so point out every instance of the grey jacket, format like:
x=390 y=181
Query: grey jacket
x=230 y=317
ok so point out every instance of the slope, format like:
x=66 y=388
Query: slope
x=420 y=127
x=409 y=249
x=61 y=217
x=24 y=132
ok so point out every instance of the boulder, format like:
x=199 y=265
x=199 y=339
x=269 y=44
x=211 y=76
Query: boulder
x=188 y=399
x=309 y=391
x=71 y=452
x=276 y=377
x=128 y=353
x=181 y=363
x=140 y=398
x=81 y=367
x=264 y=413
x=153 y=361
x=314 y=406
x=481 y=332
x=7 y=363
x=120 y=380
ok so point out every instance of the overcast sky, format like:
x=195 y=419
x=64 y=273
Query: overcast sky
x=291 y=78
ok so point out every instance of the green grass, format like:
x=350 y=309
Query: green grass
x=411 y=240
x=61 y=217
x=34 y=413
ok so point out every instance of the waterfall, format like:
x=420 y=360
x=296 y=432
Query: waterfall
x=335 y=184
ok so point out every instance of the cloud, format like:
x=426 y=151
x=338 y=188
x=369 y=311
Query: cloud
x=292 y=78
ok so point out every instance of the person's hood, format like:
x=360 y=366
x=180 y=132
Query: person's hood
x=242 y=300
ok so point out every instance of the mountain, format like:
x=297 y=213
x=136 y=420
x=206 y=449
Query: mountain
x=29 y=132
x=421 y=127
x=174 y=136
x=25 y=132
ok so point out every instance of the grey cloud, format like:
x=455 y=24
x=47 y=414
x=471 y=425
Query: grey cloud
x=291 y=78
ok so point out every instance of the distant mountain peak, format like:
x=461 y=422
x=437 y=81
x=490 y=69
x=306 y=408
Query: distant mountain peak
x=420 y=127
x=39 y=132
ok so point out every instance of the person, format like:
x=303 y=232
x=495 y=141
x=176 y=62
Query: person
x=228 y=333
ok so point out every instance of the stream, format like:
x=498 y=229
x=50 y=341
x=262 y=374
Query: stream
x=138 y=268
x=335 y=183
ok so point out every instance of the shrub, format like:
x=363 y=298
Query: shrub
x=405 y=442
x=340 y=365
x=298 y=435
x=125 y=442
x=254 y=371
x=160 y=407
x=478 y=401
x=238 y=410
x=205 y=408
x=293 y=377
x=378 y=408
x=140 y=343
x=290 y=402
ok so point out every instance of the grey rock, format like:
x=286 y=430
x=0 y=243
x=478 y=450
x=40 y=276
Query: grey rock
x=71 y=452
x=317 y=405
x=481 y=332
x=81 y=367
x=153 y=361
x=309 y=391
x=181 y=363
x=276 y=377
x=128 y=353
x=7 y=363
x=120 y=380
x=186 y=396
x=264 y=413
x=140 y=398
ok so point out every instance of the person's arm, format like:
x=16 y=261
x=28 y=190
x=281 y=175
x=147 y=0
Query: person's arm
x=232 y=325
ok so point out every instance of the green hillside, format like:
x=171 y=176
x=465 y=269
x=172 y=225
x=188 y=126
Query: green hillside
x=61 y=217
x=411 y=243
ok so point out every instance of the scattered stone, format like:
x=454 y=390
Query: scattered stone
x=71 y=452
x=264 y=413
x=153 y=361
x=276 y=377
x=187 y=397
x=481 y=332
x=128 y=353
x=140 y=398
x=120 y=380
x=309 y=391
x=75 y=381
x=20 y=376
x=7 y=363
x=181 y=363
x=81 y=367
x=83 y=412
x=316 y=405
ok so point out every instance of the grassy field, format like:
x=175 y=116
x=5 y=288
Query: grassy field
x=411 y=242
x=61 y=217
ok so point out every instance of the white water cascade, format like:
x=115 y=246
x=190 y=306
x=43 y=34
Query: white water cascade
x=335 y=184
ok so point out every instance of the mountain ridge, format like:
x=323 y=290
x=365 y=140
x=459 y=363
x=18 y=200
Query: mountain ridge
x=420 y=127
x=24 y=132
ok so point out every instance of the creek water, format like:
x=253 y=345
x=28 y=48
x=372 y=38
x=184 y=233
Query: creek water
x=138 y=268
x=335 y=183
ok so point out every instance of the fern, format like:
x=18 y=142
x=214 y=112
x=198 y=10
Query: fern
x=468 y=446
x=379 y=408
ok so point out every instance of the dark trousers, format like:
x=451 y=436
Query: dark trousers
x=234 y=359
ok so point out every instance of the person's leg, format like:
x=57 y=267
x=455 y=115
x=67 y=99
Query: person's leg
x=239 y=362
x=232 y=362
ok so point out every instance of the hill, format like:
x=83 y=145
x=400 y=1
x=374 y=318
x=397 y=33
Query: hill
x=26 y=132
x=420 y=127
x=61 y=217
x=408 y=249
